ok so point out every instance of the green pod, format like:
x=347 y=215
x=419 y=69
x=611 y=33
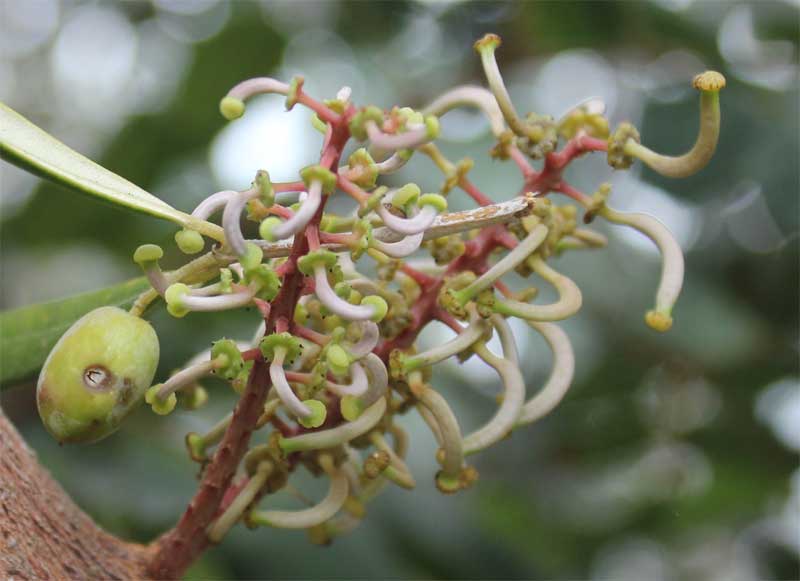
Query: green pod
x=96 y=374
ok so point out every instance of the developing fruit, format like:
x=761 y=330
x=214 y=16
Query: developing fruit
x=96 y=374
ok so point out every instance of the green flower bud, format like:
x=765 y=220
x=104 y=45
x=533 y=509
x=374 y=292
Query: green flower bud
x=252 y=256
x=284 y=340
x=318 y=414
x=338 y=359
x=189 y=241
x=96 y=374
x=264 y=186
x=408 y=194
x=435 y=200
x=267 y=226
x=268 y=282
x=322 y=174
x=323 y=256
x=295 y=87
x=229 y=358
x=380 y=304
x=351 y=407
x=160 y=406
x=362 y=161
x=174 y=297
x=231 y=108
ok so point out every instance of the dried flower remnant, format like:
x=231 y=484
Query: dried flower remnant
x=334 y=366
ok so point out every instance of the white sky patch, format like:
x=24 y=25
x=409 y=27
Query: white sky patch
x=265 y=137
x=778 y=407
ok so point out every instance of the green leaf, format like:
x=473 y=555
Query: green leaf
x=31 y=148
x=27 y=334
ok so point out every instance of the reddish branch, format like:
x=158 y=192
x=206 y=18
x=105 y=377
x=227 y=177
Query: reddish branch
x=180 y=546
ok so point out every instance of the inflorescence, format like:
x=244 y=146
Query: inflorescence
x=339 y=342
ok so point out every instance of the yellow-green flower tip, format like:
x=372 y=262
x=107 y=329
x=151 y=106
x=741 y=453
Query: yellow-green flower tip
x=271 y=343
x=447 y=484
x=658 y=321
x=174 y=297
x=229 y=358
x=231 y=108
x=189 y=241
x=358 y=122
x=362 y=161
x=318 y=173
x=709 y=81
x=267 y=281
x=338 y=359
x=435 y=200
x=264 y=186
x=96 y=374
x=147 y=253
x=318 y=414
x=268 y=225
x=380 y=307
x=160 y=406
x=195 y=445
x=325 y=257
x=432 y=127
x=252 y=257
x=617 y=158
x=408 y=194
x=318 y=124
x=295 y=86
x=300 y=314
x=193 y=397
x=488 y=42
x=372 y=202
x=351 y=407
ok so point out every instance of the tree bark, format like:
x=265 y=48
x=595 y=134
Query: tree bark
x=43 y=533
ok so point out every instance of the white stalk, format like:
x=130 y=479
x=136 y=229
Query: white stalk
x=334 y=303
x=309 y=517
x=394 y=162
x=508 y=413
x=303 y=216
x=339 y=435
x=259 y=85
x=240 y=298
x=217 y=530
x=500 y=92
x=408 y=226
x=184 y=377
x=401 y=248
x=212 y=203
x=282 y=387
x=568 y=303
x=370 y=335
x=561 y=375
x=379 y=379
x=447 y=430
x=414 y=137
x=472 y=333
x=510 y=261
x=231 y=220
x=358 y=383
x=469 y=96
x=672 y=266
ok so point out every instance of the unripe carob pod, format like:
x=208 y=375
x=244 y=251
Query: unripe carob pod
x=96 y=374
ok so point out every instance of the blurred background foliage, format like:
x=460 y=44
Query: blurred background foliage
x=672 y=456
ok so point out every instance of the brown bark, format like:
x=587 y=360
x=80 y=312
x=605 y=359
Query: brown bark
x=44 y=534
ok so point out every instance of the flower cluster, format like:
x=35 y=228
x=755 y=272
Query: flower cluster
x=342 y=298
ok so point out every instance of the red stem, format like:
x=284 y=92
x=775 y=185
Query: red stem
x=180 y=546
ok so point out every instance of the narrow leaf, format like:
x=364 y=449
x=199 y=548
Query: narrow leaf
x=30 y=147
x=27 y=334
